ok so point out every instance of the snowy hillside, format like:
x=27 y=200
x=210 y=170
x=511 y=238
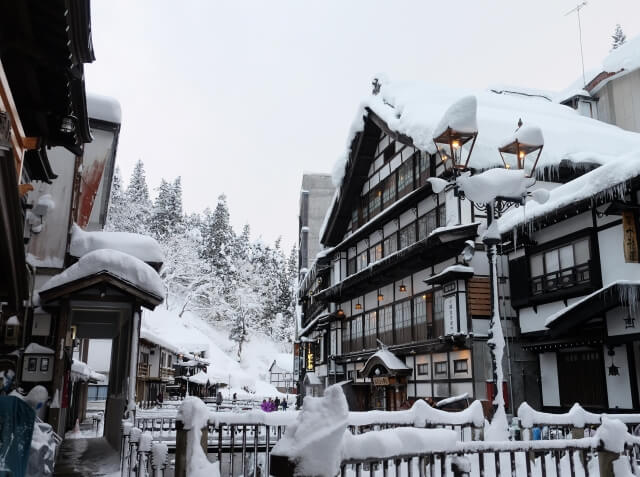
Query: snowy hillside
x=190 y=333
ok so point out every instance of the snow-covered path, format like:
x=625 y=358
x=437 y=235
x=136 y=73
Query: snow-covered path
x=87 y=457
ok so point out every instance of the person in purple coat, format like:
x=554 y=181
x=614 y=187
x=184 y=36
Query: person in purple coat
x=264 y=406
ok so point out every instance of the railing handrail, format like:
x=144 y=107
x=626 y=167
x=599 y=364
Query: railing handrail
x=577 y=417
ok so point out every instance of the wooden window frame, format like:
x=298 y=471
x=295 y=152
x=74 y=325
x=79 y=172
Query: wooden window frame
x=436 y=368
x=422 y=367
x=457 y=362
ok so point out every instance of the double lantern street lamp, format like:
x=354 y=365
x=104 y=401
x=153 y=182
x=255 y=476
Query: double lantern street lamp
x=455 y=139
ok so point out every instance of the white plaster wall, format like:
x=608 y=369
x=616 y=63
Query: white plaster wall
x=612 y=257
x=462 y=354
x=549 y=379
x=461 y=388
x=99 y=356
x=616 y=325
x=532 y=320
x=618 y=387
x=423 y=390
x=561 y=229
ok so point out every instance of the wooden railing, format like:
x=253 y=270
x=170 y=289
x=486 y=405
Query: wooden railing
x=143 y=370
x=167 y=373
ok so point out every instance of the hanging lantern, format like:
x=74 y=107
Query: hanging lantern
x=523 y=149
x=340 y=313
x=403 y=288
x=613 y=369
x=358 y=306
x=457 y=132
x=380 y=297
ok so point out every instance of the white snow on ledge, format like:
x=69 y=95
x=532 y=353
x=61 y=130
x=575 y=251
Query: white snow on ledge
x=122 y=265
x=140 y=246
x=608 y=180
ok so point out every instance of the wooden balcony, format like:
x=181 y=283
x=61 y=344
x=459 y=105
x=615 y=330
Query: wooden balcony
x=167 y=374
x=143 y=370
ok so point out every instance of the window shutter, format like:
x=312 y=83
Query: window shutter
x=519 y=279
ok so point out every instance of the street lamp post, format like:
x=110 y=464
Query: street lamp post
x=512 y=181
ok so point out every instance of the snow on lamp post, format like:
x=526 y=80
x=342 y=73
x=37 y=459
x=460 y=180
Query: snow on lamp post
x=493 y=190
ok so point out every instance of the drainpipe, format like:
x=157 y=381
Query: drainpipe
x=133 y=362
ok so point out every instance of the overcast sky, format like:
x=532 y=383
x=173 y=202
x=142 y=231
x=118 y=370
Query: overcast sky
x=242 y=97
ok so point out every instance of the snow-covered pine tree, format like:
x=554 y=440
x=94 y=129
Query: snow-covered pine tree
x=618 y=37
x=160 y=224
x=218 y=237
x=138 y=201
x=118 y=210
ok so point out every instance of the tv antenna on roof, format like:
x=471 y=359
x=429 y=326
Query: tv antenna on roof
x=577 y=9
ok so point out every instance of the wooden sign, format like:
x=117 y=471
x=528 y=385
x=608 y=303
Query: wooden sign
x=380 y=381
x=450 y=316
x=630 y=237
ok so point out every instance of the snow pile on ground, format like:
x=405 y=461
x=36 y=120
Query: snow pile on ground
x=140 y=246
x=190 y=334
x=122 y=265
x=314 y=441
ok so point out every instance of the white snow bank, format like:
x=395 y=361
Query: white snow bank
x=140 y=246
x=122 y=265
x=400 y=441
x=13 y=321
x=607 y=181
x=314 y=441
x=461 y=117
x=527 y=134
x=192 y=334
x=35 y=348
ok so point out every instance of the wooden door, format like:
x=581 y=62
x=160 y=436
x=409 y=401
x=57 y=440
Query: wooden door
x=581 y=377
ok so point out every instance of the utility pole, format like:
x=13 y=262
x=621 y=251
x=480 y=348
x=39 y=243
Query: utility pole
x=577 y=9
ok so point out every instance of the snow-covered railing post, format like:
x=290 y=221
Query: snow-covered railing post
x=134 y=438
x=144 y=449
x=192 y=436
x=612 y=435
x=159 y=452
x=124 y=448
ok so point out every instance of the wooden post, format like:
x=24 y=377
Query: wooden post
x=182 y=438
x=605 y=461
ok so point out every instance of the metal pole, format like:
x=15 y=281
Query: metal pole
x=133 y=362
x=491 y=257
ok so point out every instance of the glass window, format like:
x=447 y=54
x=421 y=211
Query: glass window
x=375 y=253
x=375 y=201
x=551 y=261
x=537 y=267
x=32 y=364
x=390 y=244
x=423 y=168
x=581 y=250
x=566 y=257
x=351 y=266
x=354 y=219
x=405 y=177
x=389 y=195
x=442 y=215
x=460 y=366
x=362 y=261
x=560 y=267
x=385 y=324
x=44 y=364
x=370 y=329
x=427 y=224
x=389 y=151
x=403 y=321
x=440 y=368
x=438 y=314
x=423 y=369
x=356 y=334
x=346 y=338
x=407 y=235
x=423 y=317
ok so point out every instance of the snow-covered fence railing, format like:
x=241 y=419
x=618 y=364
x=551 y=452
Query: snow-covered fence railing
x=577 y=422
x=141 y=456
x=436 y=453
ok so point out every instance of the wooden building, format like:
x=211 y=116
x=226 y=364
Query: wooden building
x=575 y=275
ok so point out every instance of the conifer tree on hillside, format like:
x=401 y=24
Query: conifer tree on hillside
x=138 y=201
x=218 y=238
x=618 y=37
x=160 y=224
x=117 y=209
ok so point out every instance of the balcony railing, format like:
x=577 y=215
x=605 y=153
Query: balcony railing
x=167 y=373
x=143 y=370
x=563 y=278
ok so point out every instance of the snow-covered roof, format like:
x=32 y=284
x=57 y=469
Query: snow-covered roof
x=119 y=264
x=13 y=321
x=607 y=181
x=452 y=269
x=104 y=108
x=35 y=348
x=390 y=360
x=284 y=361
x=449 y=400
x=312 y=378
x=82 y=372
x=140 y=246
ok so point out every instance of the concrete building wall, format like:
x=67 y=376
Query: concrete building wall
x=619 y=101
x=315 y=198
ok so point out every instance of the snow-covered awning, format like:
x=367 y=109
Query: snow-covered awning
x=80 y=371
x=452 y=272
x=35 y=348
x=118 y=269
x=390 y=363
x=282 y=364
x=312 y=379
x=618 y=293
x=140 y=246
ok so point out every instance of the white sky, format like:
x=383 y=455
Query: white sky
x=241 y=97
